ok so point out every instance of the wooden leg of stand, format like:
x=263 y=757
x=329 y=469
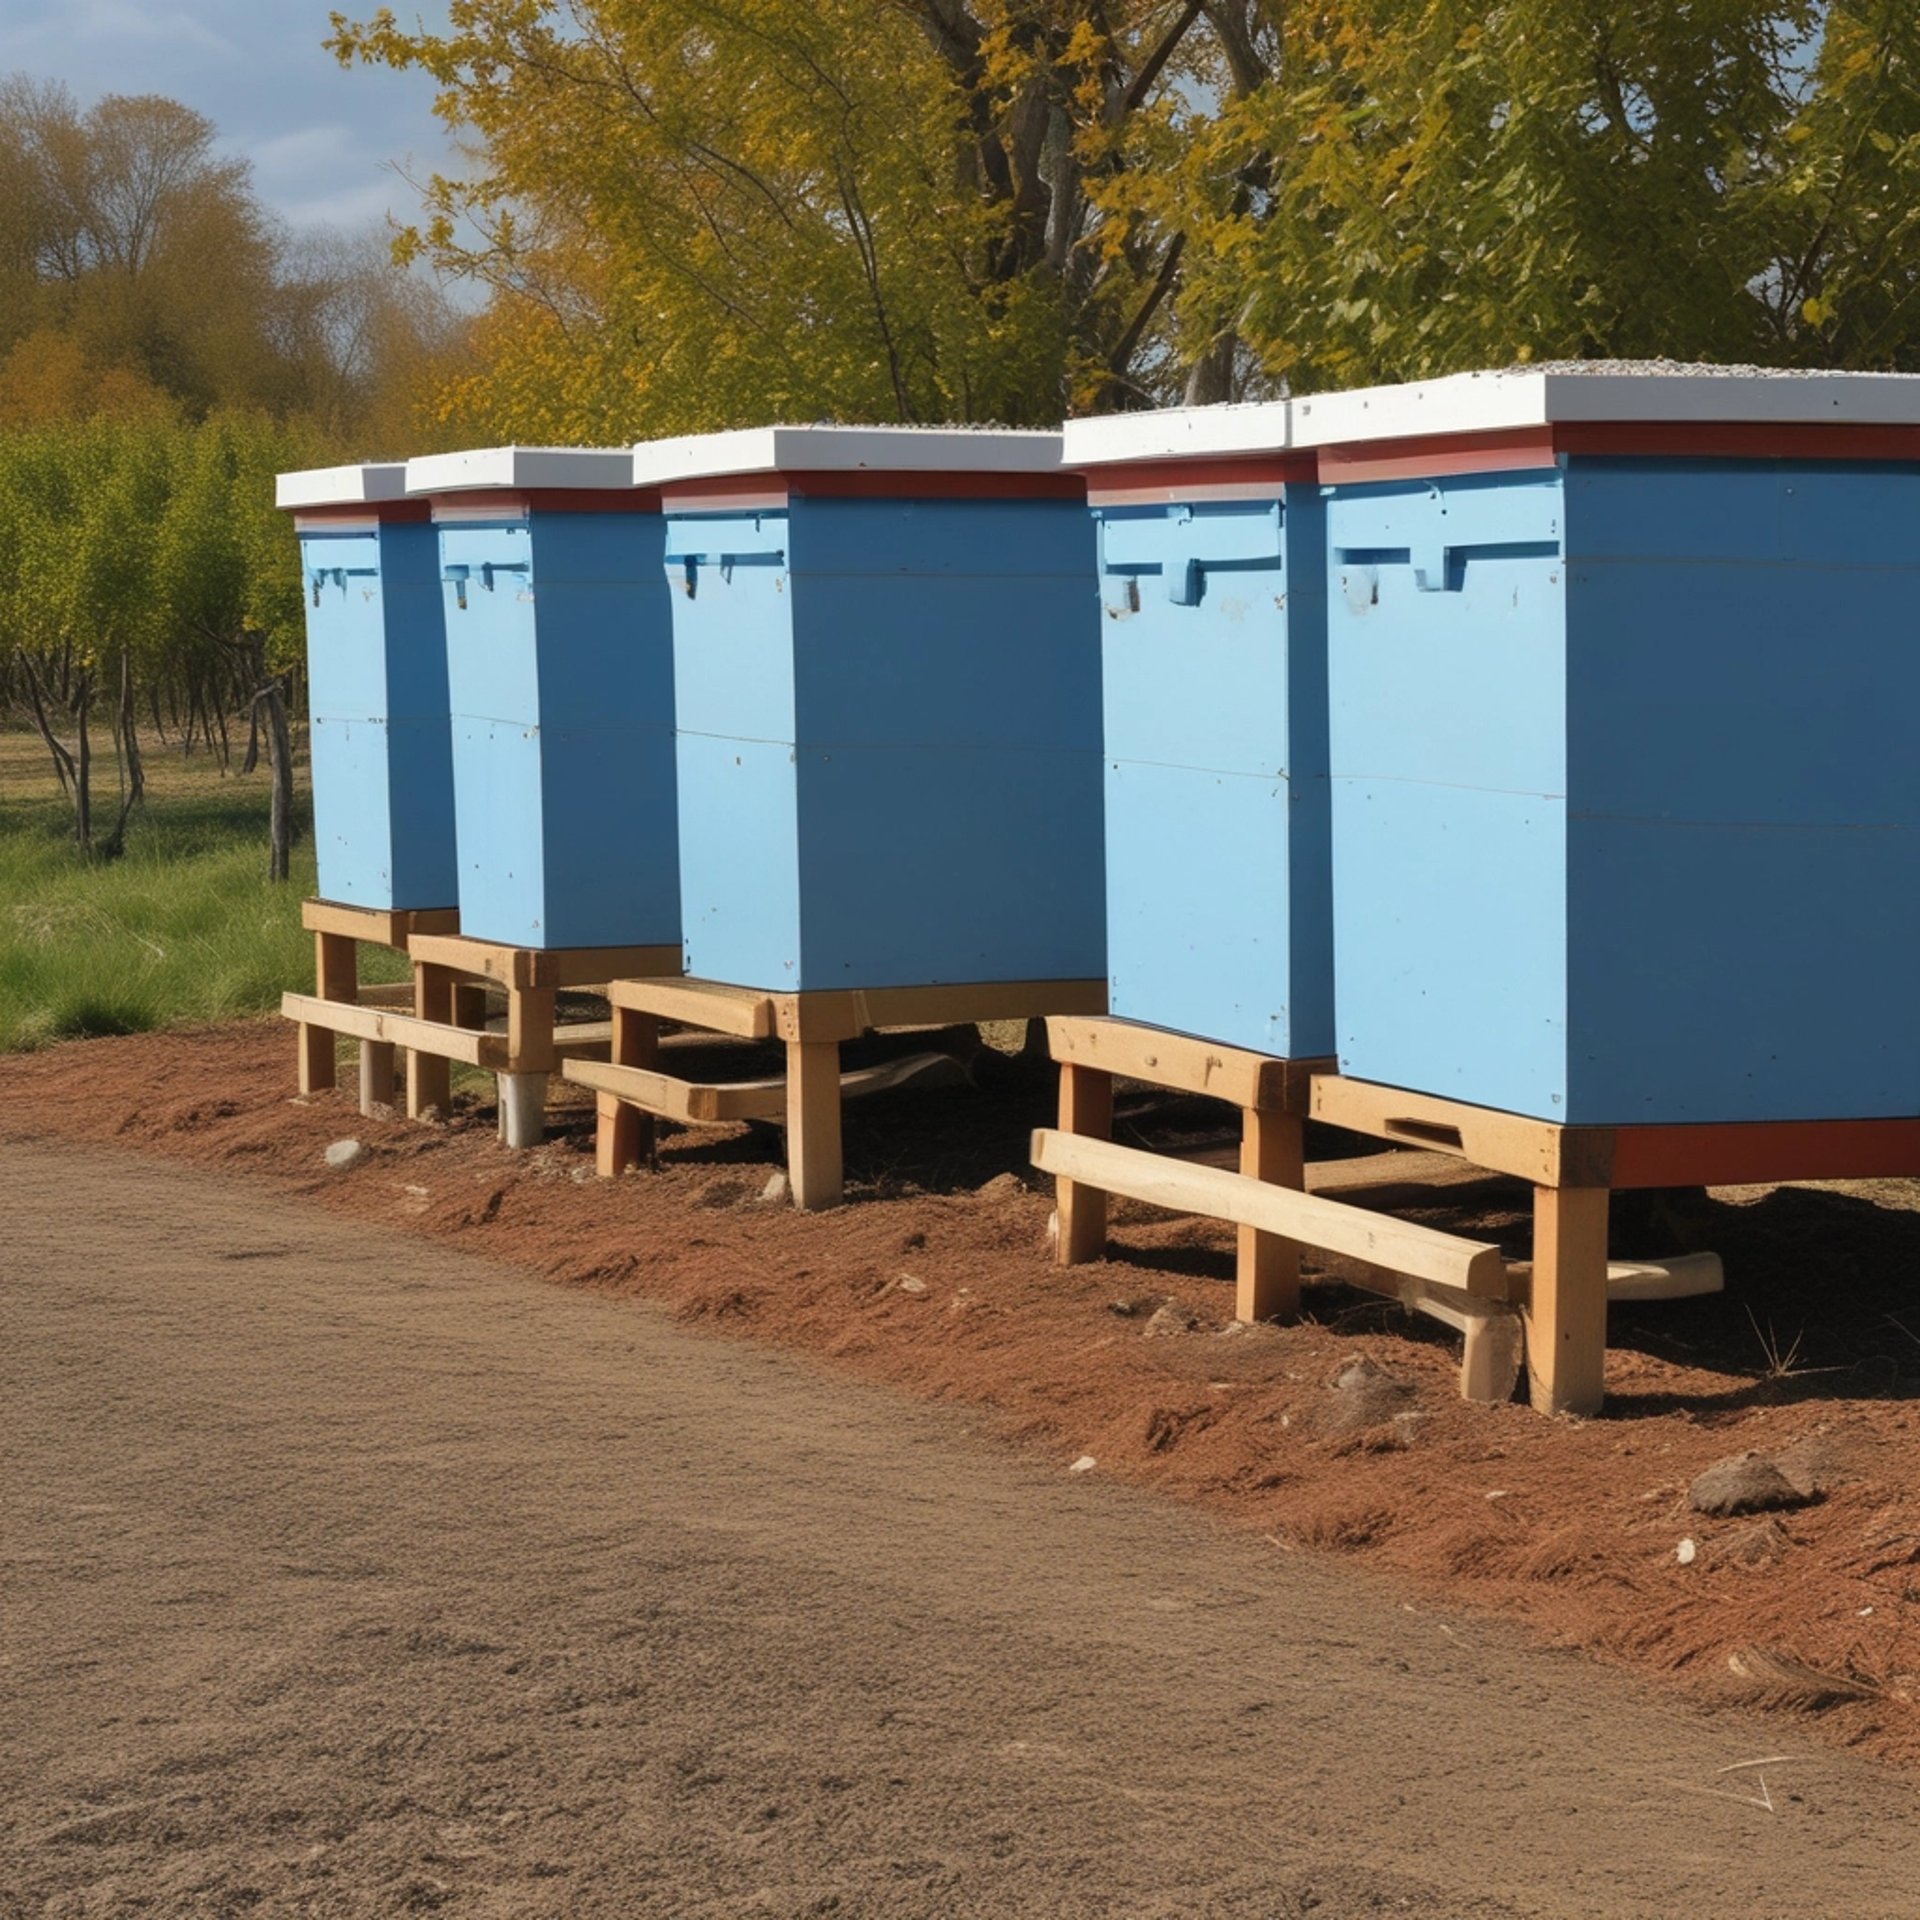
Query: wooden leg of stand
x=336 y=976
x=316 y=1068
x=813 y=1123
x=1267 y=1277
x=523 y=1088
x=1567 y=1316
x=429 y=1075
x=1086 y=1107
x=376 y=1074
x=624 y=1135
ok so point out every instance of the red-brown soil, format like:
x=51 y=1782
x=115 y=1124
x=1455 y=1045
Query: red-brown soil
x=1812 y=1355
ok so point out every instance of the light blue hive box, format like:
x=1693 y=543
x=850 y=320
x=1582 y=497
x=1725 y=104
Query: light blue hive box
x=886 y=658
x=560 y=676
x=1212 y=598
x=1626 y=796
x=382 y=761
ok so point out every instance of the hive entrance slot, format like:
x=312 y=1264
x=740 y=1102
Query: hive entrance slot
x=1429 y=1133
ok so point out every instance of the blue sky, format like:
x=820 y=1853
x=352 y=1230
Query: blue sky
x=321 y=138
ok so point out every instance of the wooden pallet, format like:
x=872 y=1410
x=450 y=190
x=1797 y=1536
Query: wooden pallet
x=1562 y=1296
x=1270 y=1093
x=631 y=1091
x=1552 y=1308
x=338 y=932
x=447 y=1021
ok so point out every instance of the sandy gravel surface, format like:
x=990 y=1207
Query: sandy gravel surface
x=347 y=1574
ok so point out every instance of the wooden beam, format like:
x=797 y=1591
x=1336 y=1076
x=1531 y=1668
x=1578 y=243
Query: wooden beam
x=647 y=1090
x=1567 y=1301
x=380 y=926
x=835 y=1015
x=530 y=1029
x=336 y=974
x=1381 y=1241
x=314 y=1065
x=1680 y=1276
x=1541 y=1152
x=1267 y=1268
x=1080 y=1212
x=438 y=1038
x=814 y=1169
x=376 y=1074
x=623 y=1135
x=742 y=1011
x=534 y=967
x=1133 y=1052
x=709 y=1104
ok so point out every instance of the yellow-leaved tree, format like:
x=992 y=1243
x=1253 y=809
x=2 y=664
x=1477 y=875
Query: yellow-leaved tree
x=1435 y=185
x=698 y=212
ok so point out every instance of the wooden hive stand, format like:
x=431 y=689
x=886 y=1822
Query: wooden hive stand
x=1573 y=1171
x=1553 y=1308
x=447 y=1022
x=1461 y=1282
x=632 y=1091
x=339 y=1002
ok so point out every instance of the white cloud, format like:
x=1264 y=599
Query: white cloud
x=320 y=139
x=127 y=36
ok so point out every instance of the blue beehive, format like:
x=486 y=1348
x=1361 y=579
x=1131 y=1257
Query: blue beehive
x=377 y=683
x=1213 y=588
x=887 y=676
x=1625 y=798
x=560 y=676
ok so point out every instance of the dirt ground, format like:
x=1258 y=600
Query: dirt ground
x=927 y=1282
x=350 y=1574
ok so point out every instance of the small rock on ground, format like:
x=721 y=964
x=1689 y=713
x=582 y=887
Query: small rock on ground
x=346 y=1153
x=1360 y=1395
x=776 y=1192
x=1171 y=1318
x=1747 y=1483
x=908 y=1283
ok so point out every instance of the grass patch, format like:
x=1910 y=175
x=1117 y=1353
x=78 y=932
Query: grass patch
x=184 y=927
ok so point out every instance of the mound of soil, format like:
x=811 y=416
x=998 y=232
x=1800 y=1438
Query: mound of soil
x=1342 y=1434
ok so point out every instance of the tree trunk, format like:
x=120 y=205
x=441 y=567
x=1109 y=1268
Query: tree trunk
x=1210 y=378
x=133 y=780
x=282 y=819
x=251 y=758
x=83 y=761
x=62 y=759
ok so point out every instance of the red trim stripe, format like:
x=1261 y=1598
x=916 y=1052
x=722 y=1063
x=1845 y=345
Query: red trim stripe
x=1518 y=449
x=1754 y=1154
x=515 y=503
x=357 y=515
x=1208 y=477
x=773 y=490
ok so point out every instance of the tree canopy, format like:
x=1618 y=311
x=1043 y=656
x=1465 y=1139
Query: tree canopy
x=138 y=271
x=1441 y=186
x=697 y=212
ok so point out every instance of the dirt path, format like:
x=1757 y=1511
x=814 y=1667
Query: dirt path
x=345 y=1575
